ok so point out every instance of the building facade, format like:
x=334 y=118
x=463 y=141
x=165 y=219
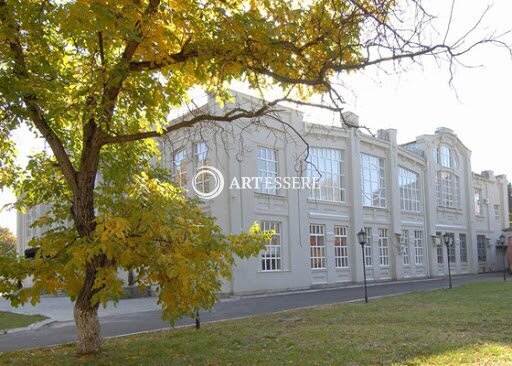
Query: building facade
x=404 y=196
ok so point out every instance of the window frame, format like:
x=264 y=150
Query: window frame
x=340 y=247
x=439 y=250
x=383 y=247
x=478 y=202
x=323 y=161
x=404 y=240
x=368 y=248
x=419 y=256
x=266 y=172
x=463 y=248
x=448 y=189
x=375 y=168
x=481 y=242
x=410 y=190
x=179 y=167
x=273 y=254
x=317 y=248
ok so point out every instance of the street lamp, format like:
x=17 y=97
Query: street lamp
x=504 y=248
x=447 y=238
x=362 y=237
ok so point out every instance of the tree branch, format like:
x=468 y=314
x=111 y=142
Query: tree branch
x=32 y=106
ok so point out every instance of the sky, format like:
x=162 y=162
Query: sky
x=417 y=101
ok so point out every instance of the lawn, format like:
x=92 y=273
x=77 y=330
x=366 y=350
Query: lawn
x=468 y=325
x=11 y=320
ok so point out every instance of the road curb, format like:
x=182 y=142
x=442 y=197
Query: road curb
x=32 y=326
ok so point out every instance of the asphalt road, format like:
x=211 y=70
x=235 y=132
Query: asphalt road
x=116 y=325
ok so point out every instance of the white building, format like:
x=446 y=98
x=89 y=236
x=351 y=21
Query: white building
x=404 y=196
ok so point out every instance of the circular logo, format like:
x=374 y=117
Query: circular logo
x=208 y=182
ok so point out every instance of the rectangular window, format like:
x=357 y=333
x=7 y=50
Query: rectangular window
x=202 y=180
x=451 y=248
x=327 y=166
x=180 y=168
x=383 y=248
x=340 y=247
x=404 y=242
x=439 y=249
x=368 y=247
x=317 y=246
x=418 y=246
x=409 y=190
x=482 y=253
x=478 y=201
x=271 y=257
x=267 y=169
x=448 y=190
x=463 y=248
x=373 y=181
x=497 y=211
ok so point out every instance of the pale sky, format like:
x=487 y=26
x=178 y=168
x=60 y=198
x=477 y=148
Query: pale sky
x=477 y=108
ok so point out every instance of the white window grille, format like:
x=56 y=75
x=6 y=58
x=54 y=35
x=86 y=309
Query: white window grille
x=478 y=201
x=368 y=261
x=404 y=242
x=267 y=169
x=328 y=167
x=448 y=189
x=383 y=248
x=317 y=246
x=180 y=168
x=446 y=157
x=340 y=247
x=373 y=181
x=418 y=246
x=271 y=258
x=463 y=248
x=409 y=190
x=482 y=253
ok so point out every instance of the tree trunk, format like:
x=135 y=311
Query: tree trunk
x=86 y=316
x=87 y=327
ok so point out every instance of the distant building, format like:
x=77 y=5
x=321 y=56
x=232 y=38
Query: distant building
x=404 y=196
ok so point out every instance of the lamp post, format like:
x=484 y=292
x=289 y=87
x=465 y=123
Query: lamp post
x=362 y=237
x=447 y=238
x=504 y=248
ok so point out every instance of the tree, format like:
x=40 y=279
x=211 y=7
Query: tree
x=97 y=80
x=7 y=242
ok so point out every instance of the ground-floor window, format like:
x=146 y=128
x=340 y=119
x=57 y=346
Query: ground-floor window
x=439 y=249
x=271 y=257
x=383 y=247
x=340 y=247
x=451 y=248
x=317 y=246
x=418 y=246
x=480 y=243
x=368 y=247
x=463 y=248
x=404 y=242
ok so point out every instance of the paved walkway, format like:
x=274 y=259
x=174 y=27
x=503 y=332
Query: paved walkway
x=61 y=308
x=138 y=315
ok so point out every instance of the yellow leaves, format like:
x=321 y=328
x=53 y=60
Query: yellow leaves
x=112 y=228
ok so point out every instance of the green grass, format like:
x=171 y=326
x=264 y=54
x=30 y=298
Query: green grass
x=12 y=320
x=468 y=325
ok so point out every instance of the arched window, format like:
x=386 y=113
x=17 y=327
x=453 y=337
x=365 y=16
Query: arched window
x=446 y=156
